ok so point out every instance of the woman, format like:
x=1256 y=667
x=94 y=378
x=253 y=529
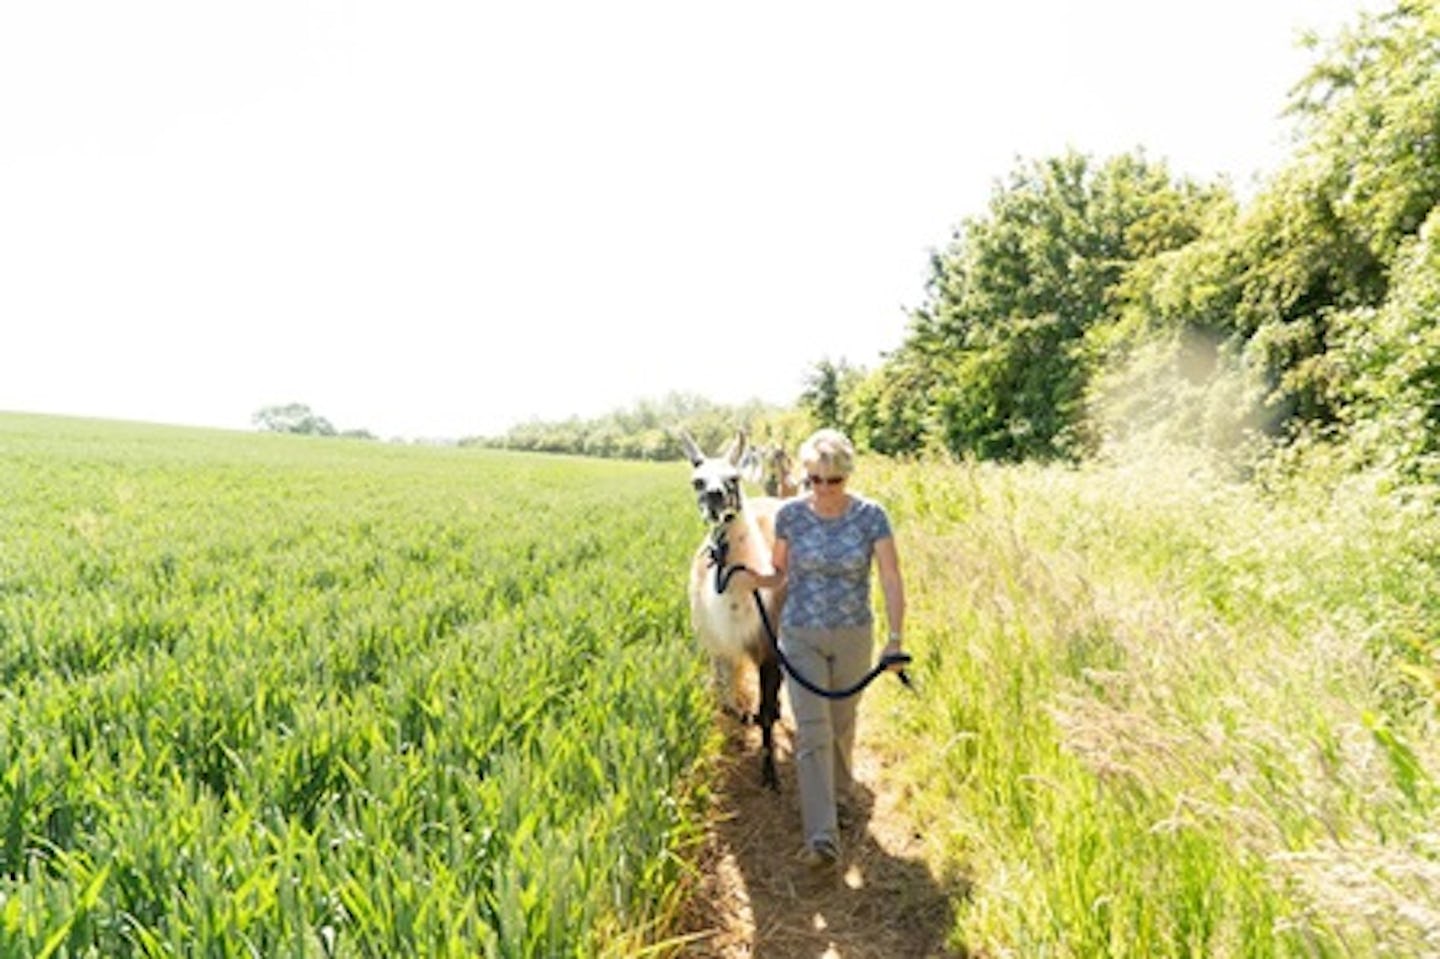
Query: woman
x=825 y=544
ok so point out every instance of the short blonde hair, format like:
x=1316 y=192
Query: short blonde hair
x=828 y=448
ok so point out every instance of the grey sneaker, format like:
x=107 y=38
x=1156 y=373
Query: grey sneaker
x=819 y=855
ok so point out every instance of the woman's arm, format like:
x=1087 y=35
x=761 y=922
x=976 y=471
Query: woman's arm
x=887 y=557
x=779 y=558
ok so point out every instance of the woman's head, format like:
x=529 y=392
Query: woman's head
x=827 y=454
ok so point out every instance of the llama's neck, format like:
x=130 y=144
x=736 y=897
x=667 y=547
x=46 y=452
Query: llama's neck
x=740 y=543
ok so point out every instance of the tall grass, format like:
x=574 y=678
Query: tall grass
x=264 y=696
x=1166 y=716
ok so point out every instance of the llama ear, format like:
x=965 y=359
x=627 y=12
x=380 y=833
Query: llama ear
x=736 y=449
x=687 y=443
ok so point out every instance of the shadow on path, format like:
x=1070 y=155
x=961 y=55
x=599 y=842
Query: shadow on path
x=756 y=900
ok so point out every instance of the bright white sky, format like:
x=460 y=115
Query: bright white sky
x=441 y=219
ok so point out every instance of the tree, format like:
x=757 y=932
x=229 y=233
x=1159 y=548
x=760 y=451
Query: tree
x=996 y=362
x=890 y=408
x=292 y=418
x=1290 y=279
x=826 y=387
x=1370 y=113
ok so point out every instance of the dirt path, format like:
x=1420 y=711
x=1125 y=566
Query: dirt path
x=756 y=900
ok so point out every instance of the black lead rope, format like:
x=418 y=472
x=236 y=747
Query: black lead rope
x=722 y=582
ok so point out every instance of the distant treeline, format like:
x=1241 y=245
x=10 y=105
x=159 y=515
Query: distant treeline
x=1102 y=301
x=648 y=430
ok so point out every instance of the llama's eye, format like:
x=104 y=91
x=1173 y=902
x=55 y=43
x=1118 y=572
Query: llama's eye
x=699 y=484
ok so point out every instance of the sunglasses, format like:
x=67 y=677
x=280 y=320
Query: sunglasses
x=825 y=480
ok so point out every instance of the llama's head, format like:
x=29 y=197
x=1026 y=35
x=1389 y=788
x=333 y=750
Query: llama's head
x=771 y=468
x=716 y=479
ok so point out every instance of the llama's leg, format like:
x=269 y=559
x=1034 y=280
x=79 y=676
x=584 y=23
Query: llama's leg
x=768 y=715
x=723 y=670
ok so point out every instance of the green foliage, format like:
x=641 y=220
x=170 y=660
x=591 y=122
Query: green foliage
x=1297 y=279
x=826 y=388
x=996 y=361
x=1388 y=368
x=1080 y=270
x=1289 y=263
x=1191 y=287
x=1058 y=237
x=1016 y=396
x=886 y=409
x=266 y=696
x=1370 y=114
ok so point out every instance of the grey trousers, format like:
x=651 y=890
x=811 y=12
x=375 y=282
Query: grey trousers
x=825 y=728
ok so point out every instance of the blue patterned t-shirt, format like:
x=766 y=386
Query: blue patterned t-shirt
x=828 y=579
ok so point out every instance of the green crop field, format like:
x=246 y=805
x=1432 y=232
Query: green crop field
x=268 y=696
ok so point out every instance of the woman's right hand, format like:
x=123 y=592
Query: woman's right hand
x=771 y=580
